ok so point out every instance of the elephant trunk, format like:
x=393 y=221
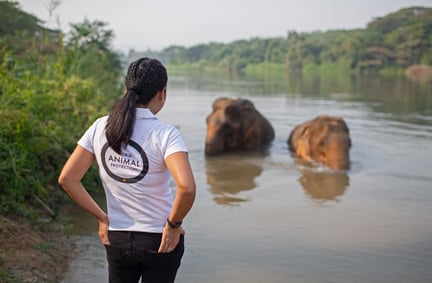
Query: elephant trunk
x=212 y=149
x=337 y=152
x=341 y=163
x=214 y=145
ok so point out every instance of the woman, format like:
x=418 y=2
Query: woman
x=136 y=154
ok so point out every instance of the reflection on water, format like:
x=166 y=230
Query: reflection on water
x=320 y=182
x=385 y=95
x=229 y=174
x=324 y=186
x=388 y=95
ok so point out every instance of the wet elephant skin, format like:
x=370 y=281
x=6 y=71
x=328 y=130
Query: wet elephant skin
x=236 y=125
x=324 y=139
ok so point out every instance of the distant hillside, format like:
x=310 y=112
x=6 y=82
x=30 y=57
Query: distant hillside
x=388 y=44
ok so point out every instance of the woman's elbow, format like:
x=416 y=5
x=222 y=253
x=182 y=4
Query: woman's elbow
x=64 y=181
x=188 y=190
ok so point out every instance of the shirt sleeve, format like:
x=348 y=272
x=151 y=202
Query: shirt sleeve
x=86 y=141
x=175 y=143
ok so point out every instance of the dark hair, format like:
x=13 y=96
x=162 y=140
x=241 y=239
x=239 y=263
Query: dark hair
x=144 y=78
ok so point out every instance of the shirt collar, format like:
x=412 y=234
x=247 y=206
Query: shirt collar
x=144 y=113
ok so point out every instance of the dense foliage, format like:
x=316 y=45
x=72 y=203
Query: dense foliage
x=52 y=86
x=387 y=45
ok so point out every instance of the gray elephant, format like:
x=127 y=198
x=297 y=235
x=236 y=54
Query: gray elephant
x=235 y=124
x=324 y=139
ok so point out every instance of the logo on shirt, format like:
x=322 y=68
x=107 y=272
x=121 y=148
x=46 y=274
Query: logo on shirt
x=129 y=167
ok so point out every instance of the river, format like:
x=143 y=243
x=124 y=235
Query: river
x=272 y=218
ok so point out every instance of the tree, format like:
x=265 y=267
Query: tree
x=87 y=34
x=89 y=51
x=19 y=30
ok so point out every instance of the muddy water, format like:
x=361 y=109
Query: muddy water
x=272 y=218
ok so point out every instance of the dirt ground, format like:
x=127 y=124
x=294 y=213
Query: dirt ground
x=33 y=253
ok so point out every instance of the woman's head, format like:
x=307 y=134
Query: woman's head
x=144 y=79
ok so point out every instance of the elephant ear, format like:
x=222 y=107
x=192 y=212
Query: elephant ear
x=247 y=104
x=340 y=124
x=345 y=127
x=303 y=144
x=233 y=112
x=249 y=113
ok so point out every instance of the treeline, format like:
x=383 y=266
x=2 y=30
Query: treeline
x=52 y=85
x=388 y=44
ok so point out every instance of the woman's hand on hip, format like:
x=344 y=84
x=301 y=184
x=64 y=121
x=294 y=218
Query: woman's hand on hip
x=170 y=238
x=103 y=232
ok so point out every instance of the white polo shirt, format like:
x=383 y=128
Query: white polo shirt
x=136 y=183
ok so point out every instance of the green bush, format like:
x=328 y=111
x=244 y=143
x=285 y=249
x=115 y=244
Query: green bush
x=48 y=98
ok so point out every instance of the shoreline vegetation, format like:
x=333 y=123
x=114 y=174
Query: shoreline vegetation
x=387 y=47
x=53 y=85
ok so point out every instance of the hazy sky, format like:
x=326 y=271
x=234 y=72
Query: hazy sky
x=156 y=24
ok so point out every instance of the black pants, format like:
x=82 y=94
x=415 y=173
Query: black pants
x=133 y=255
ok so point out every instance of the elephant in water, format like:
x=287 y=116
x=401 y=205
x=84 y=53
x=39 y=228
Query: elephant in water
x=235 y=124
x=324 y=139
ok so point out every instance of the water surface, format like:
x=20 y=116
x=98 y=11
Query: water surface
x=272 y=218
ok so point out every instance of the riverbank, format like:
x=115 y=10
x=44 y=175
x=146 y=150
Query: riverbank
x=34 y=253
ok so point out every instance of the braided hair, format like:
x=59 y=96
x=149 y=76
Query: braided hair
x=144 y=78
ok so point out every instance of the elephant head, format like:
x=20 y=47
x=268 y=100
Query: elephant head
x=235 y=124
x=324 y=139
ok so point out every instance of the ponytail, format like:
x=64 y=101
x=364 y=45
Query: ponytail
x=121 y=121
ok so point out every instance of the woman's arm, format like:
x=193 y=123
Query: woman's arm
x=70 y=180
x=179 y=166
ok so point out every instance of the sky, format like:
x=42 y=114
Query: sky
x=157 y=24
